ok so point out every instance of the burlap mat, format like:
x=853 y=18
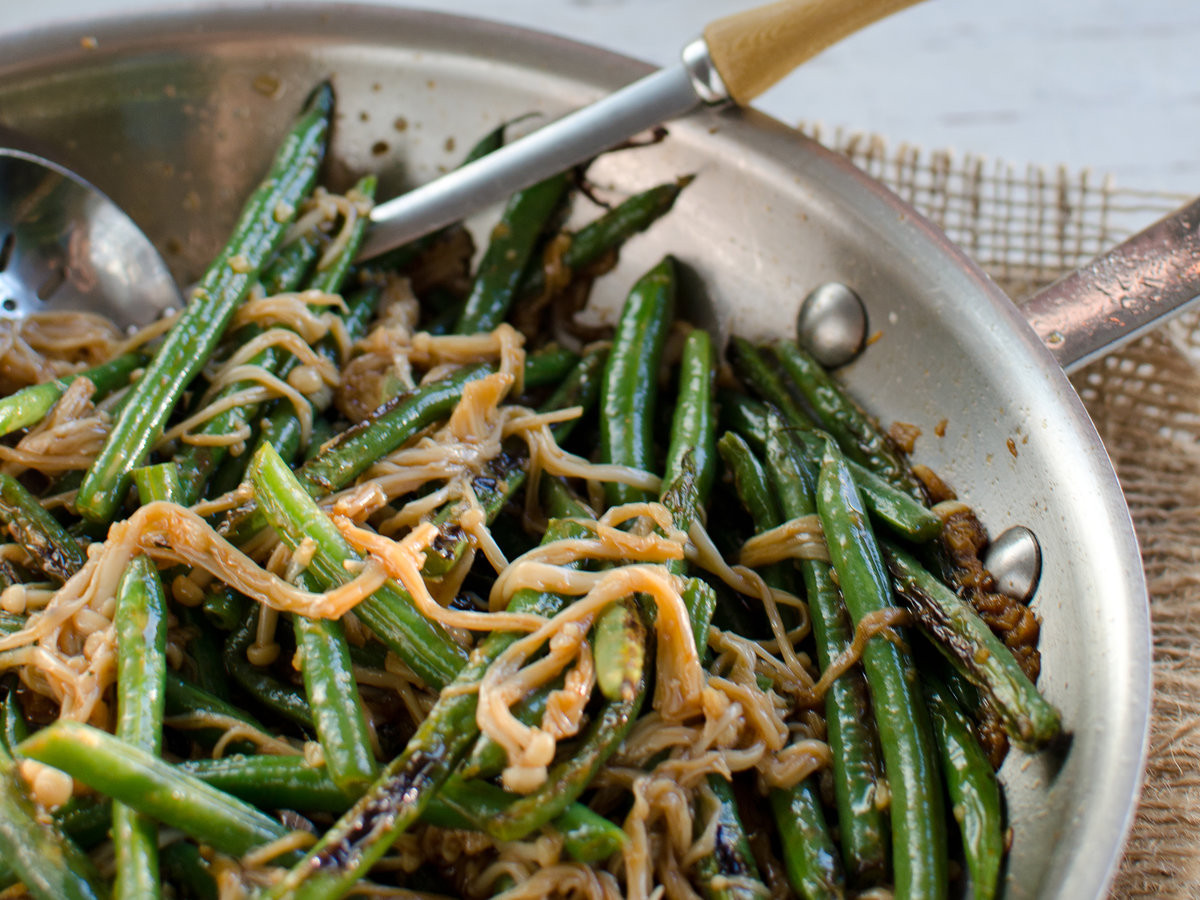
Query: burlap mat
x=1026 y=227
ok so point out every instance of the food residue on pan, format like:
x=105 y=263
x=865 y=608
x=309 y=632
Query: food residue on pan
x=268 y=85
x=1012 y=447
x=940 y=428
x=904 y=435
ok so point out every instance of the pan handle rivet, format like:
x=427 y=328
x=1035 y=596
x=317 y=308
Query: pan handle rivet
x=832 y=324
x=1015 y=560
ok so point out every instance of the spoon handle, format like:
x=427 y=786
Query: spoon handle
x=754 y=49
x=751 y=51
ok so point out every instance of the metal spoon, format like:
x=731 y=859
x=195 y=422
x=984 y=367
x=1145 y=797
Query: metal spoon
x=64 y=246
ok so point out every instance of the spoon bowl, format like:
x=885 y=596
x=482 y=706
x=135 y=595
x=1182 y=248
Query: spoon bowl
x=65 y=247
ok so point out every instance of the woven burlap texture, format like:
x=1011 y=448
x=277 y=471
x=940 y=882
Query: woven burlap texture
x=1026 y=227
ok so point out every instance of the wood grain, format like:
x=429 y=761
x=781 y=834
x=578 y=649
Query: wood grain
x=753 y=50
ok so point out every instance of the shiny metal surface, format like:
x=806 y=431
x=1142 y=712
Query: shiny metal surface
x=832 y=324
x=706 y=80
x=1121 y=294
x=1014 y=557
x=65 y=246
x=174 y=115
x=569 y=141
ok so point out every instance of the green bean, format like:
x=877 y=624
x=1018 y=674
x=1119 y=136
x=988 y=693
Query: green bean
x=158 y=482
x=140 y=621
x=187 y=871
x=588 y=837
x=48 y=544
x=857 y=433
x=628 y=391
x=291 y=265
x=349 y=454
x=690 y=467
x=281 y=427
x=619 y=650
x=897 y=511
x=693 y=439
x=972 y=787
x=344 y=458
x=85 y=820
x=918 y=828
x=322 y=432
x=700 y=598
x=184 y=699
x=965 y=639
x=809 y=855
x=488 y=757
x=48 y=864
x=153 y=787
x=858 y=779
x=512 y=245
x=808 y=849
x=198 y=328
x=610 y=231
x=754 y=490
x=331 y=272
x=288 y=782
x=16 y=729
x=10 y=623
x=630 y=385
x=402 y=792
x=569 y=777
x=756 y=369
x=903 y=515
x=729 y=872
x=29 y=406
x=273 y=782
x=280 y=698
x=549 y=365
x=205 y=646
x=490 y=142
x=750 y=481
x=502 y=885
x=354 y=450
x=223 y=607
x=389 y=612
x=503 y=475
x=232 y=469
x=199 y=461
x=444 y=308
x=332 y=692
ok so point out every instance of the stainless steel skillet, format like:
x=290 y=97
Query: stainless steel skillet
x=173 y=114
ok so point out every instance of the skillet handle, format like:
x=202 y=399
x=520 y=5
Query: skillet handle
x=754 y=49
x=1122 y=293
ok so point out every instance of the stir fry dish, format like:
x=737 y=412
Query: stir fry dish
x=395 y=579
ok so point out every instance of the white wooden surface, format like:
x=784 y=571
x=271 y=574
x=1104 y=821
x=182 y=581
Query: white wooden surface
x=1111 y=84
